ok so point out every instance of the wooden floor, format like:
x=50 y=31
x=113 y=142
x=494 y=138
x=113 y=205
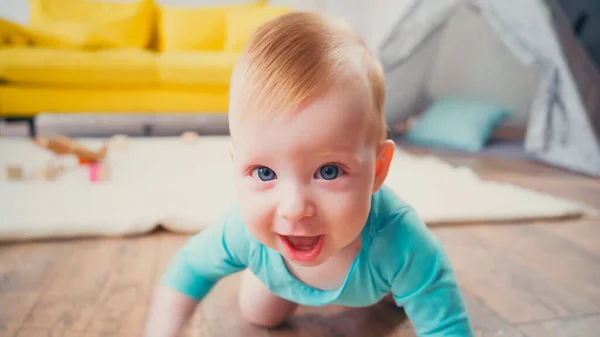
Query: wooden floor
x=527 y=279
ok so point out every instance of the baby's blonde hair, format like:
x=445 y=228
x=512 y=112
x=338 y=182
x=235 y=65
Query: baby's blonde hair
x=296 y=57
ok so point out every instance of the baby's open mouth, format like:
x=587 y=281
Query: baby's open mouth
x=303 y=242
x=302 y=248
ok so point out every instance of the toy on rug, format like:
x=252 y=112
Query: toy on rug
x=189 y=137
x=61 y=146
x=14 y=173
x=118 y=142
x=65 y=146
x=49 y=172
x=98 y=172
x=20 y=173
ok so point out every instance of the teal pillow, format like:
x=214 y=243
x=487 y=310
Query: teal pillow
x=458 y=124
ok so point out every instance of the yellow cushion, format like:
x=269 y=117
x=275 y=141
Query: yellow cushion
x=82 y=68
x=242 y=23
x=200 y=68
x=12 y=34
x=95 y=23
x=184 y=28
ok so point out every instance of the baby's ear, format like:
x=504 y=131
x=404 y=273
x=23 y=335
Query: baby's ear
x=385 y=153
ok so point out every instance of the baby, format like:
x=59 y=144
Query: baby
x=315 y=224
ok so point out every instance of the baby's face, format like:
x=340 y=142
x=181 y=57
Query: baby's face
x=305 y=179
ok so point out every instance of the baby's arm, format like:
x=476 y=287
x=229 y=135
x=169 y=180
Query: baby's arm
x=424 y=283
x=218 y=251
x=169 y=311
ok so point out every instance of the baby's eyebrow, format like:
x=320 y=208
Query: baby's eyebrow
x=256 y=158
x=348 y=155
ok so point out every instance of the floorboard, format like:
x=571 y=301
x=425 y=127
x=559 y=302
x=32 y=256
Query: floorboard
x=585 y=326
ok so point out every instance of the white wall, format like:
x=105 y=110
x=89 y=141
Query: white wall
x=15 y=11
x=372 y=19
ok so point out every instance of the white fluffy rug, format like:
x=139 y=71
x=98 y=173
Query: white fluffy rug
x=185 y=186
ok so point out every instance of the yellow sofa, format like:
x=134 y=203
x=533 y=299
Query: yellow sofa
x=114 y=57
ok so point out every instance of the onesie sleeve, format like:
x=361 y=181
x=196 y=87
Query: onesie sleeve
x=423 y=282
x=219 y=250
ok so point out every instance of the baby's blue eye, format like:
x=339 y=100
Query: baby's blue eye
x=264 y=173
x=329 y=172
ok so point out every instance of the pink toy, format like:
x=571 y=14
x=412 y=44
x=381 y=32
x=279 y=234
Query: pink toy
x=94 y=172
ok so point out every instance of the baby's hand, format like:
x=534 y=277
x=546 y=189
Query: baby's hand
x=168 y=313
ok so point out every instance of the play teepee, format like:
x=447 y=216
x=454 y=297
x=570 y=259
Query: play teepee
x=559 y=131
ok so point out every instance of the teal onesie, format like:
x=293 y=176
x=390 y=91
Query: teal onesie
x=398 y=255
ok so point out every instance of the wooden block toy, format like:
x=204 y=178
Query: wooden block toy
x=93 y=170
x=14 y=173
x=49 y=172
x=52 y=172
x=189 y=137
x=104 y=173
x=98 y=172
x=40 y=174
x=118 y=142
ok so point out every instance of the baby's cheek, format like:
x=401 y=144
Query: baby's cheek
x=346 y=209
x=356 y=209
x=257 y=223
x=257 y=213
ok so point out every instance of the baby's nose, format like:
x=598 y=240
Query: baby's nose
x=295 y=206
